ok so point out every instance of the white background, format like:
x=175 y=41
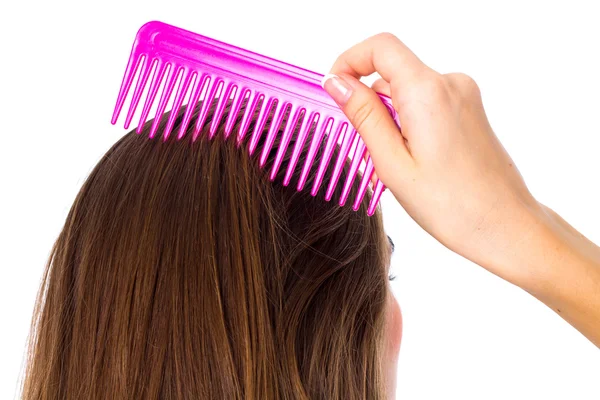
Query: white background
x=467 y=334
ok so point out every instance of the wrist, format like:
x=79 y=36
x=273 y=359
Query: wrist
x=548 y=258
x=542 y=260
x=534 y=248
x=519 y=247
x=571 y=262
x=569 y=281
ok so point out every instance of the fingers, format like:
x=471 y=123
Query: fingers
x=372 y=120
x=381 y=86
x=400 y=69
x=383 y=53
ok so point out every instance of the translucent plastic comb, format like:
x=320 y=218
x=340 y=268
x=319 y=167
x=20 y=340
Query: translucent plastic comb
x=214 y=69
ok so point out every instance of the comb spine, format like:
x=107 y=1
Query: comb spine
x=285 y=139
x=331 y=142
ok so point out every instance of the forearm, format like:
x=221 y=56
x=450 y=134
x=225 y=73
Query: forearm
x=561 y=268
x=573 y=287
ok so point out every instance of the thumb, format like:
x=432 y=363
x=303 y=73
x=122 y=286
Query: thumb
x=372 y=120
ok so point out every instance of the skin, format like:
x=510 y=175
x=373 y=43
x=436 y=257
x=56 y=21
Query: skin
x=450 y=172
x=393 y=335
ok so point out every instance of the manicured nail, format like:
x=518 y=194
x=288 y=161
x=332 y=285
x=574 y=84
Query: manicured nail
x=337 y=88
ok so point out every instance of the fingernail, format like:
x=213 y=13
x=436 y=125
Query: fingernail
x=337 y=88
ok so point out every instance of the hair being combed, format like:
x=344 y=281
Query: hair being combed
x=183 y=272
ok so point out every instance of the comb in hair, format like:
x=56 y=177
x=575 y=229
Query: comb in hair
x=205 y=69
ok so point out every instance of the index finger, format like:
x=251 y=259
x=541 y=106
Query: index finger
x=383 y=53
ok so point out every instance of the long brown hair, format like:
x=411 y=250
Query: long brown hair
x=183 y=272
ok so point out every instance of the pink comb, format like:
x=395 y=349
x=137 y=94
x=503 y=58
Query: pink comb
x=177 y=55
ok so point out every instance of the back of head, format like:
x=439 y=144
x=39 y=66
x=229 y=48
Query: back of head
x=183 y=272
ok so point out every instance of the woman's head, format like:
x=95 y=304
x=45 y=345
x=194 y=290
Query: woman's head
x=183 y=272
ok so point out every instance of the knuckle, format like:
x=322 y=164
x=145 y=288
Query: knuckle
x=432 y=88
x=386 y=37
x=464 y=84
x=341 y=60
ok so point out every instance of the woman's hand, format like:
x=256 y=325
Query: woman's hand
x=446 y=167
x=450 y=172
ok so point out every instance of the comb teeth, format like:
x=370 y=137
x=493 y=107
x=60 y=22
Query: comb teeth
x=223 y=99
x=273 y=130
x=349 y=137
x=248 y=113
x=166 y=94
x=139 y=88
x=261 y=120
x=377 y=192
x=126 y=84
x=285 y=140
x=331 y=142
x=359 y=153
x=199 y=67
x=181 y=91
x=236 y=103
x=312 y=151
x=302 y=135
x=362 y=189
x=211 y=89
x=157 y=78
x=197 y=89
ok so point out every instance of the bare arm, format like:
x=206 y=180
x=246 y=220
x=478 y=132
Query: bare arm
x=453 y=176
x=567 y=273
